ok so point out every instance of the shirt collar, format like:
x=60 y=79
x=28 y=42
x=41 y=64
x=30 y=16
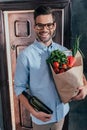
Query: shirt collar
x=42 y=46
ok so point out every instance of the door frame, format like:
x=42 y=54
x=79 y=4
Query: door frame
x=7 y=106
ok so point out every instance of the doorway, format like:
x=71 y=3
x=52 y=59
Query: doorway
x=19 y=34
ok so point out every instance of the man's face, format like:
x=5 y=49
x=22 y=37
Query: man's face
x=44 y=28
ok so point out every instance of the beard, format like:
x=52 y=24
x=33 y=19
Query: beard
x=42 y=37
x=44 y=40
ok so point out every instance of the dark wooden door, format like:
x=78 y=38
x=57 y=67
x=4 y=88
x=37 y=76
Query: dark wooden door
x=21 y=34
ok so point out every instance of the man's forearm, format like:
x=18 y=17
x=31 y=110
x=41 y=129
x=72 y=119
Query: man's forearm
x=26 y=103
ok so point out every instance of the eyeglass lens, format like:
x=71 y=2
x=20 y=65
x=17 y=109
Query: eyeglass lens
x=41 y=26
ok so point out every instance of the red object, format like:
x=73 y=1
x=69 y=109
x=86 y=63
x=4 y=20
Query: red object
x=64 y=66
x=55 y=64
x=61 y=70
x=56 y=70
x=71 y=61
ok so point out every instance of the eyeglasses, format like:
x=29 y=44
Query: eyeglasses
x=41 y=26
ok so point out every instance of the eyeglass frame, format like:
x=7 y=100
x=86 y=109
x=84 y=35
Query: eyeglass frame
x=47 y=25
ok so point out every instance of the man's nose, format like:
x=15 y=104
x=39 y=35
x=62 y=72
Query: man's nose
x=45 y=27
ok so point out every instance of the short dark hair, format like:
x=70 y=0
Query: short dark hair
x=43 y=10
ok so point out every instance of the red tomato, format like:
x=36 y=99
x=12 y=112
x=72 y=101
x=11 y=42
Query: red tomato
x=56 y=70
x=61 y=70
x=55 y=64
x=64 y=66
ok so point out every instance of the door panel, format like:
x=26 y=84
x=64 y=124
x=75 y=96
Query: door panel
x=25 y=120
x=21 y=34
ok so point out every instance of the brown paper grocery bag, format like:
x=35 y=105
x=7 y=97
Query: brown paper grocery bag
x=67 y=82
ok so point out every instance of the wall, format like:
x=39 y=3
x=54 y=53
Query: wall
x=79 y=24
x=78 y=110
x=1 y=116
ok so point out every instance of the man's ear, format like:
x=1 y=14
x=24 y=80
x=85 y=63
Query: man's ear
x=34 y=27
x=84 y=80
x=55 y=26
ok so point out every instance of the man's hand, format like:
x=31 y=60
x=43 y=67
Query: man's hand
x=82 y=91
x=42 y=116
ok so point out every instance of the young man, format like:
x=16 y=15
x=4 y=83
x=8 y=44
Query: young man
x=32 y=70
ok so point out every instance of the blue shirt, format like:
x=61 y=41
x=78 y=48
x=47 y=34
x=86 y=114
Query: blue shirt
x=32 y=70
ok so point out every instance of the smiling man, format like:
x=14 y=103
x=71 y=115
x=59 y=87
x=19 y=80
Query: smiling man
x=33 y=72
x=44 y=27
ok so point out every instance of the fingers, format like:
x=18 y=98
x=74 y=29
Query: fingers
x=47 y=117
x=81 y=95
x=43 y=116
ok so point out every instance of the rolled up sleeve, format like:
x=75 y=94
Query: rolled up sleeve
x=21 y=77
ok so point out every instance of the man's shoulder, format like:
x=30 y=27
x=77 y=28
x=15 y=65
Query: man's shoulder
x=28 y=48
x=59 y=46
